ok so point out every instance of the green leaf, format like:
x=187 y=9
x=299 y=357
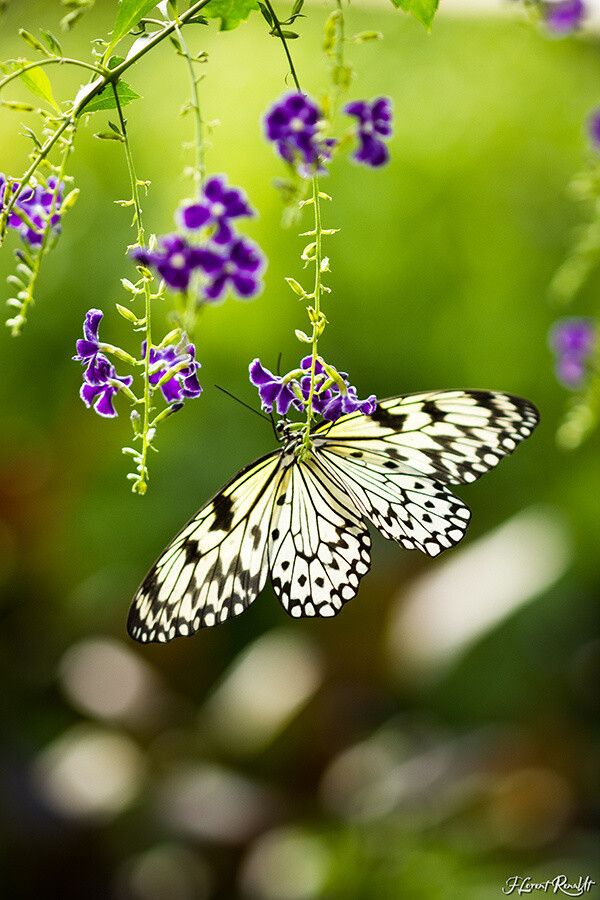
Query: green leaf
x=106 y=100
x=422 y=10
x=38 y=83
x=129 y=14
x=51 y=42
x=231 y=12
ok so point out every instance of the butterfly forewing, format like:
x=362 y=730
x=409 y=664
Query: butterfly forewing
x=452 y=436
x=319 y=550
x=216 y=566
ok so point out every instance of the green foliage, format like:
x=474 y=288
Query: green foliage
x=106 y=100
x=36 y=81
x=231 y=12
x=129 y=14
x=422 y=10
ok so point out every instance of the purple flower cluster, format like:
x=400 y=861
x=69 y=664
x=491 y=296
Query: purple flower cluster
x=209 y=245
x=572 y=340
x=563 y=17
x=284 y=391
x=100 y=380
x=374 y=122
x=36 y=203
x=183 y=384
x=293 y=125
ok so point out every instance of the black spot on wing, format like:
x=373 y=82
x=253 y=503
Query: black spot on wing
x=388 y=419
x=223 y=513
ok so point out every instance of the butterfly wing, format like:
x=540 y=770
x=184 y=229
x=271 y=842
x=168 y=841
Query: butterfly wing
x=319 y=550
x=418 y=512
x=395 y=463
x=217 y=564
x=452 y=436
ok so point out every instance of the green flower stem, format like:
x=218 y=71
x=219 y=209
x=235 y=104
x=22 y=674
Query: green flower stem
x=199 y=170
x=139 y=485
x=316 y=297
x=16 y=324
x=314 y=253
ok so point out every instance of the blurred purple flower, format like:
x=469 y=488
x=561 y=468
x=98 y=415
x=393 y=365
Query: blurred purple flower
x=292 y=123
x=175 y=260
x=217 y=206
x=36 y=202
x=572 y=340
x=374 y=122
x=239 y=265
x=594 y=128
x=184 y=384
x=563 y=17
x=100 y=384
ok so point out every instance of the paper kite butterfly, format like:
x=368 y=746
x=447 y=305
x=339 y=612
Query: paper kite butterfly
x=303 y=520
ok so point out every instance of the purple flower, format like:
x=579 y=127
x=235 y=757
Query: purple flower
x=292 y=124
x=36 y=202
x=331 y=403
x=271 y=389
x=239 y=265
x=572 y=340
x=89 y=347
x=175 y=260
x=563 y=17
x=184 y=384
x=100 y=385
x=218 y=205
x=374 y=121
x=594 y=128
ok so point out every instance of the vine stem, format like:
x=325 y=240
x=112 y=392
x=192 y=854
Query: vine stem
x=199 y=170
x=318 y=254
x=318 y=257
x=106 y=77
x=284 y=42
x=140 y=485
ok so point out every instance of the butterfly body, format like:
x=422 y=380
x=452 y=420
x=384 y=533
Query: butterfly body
x=301 y=518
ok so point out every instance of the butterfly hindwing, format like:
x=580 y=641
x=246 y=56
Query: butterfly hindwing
x=418 y=512
x=216 y=566
x=319 y=550
x=452 y=436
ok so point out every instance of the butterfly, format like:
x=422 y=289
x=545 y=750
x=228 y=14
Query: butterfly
x=303 y=519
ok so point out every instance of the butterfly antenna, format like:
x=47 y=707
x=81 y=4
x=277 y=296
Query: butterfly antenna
x=247 y=405
x=274 y=427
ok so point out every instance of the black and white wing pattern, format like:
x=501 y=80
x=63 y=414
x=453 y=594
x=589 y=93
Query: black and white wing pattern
x=395 y=463
x=278 y=515
x=319 y=550
x=217 y=564
x=301 y=519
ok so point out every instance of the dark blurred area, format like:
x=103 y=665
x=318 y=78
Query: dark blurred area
x=441 y=735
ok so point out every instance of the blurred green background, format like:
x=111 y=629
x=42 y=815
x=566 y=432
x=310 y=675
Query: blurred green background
x=441 y=734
